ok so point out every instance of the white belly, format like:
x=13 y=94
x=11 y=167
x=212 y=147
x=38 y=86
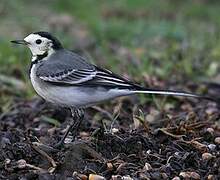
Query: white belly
x=73 y=96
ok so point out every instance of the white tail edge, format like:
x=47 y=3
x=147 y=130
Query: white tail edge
x=164 y=92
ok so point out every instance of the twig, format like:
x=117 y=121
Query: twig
x=53 y=163
x=170 y=134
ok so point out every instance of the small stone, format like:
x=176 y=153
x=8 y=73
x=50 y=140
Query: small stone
x=217 y=140
x=96 y=177
x=177 y=154
x=164 y=175
x=212 y=147
x=127 y=178
x=176 y=178
x=147 y=167
x=82 y=176
x=148 y=151
x=210 y=177
x=189 y=175
x=78 y=175
x=110 y=166
x=210 y=130
x=21 y=163
x=195 y=175
x=115 y=130
x=185 y=175
x=206 y=156
x=7 y=161
x=116 y=177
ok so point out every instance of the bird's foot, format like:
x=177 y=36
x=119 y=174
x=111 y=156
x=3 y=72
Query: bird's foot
x=77 y=115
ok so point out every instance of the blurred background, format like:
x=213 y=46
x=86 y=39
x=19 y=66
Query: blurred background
x=155 y=43
x=167 y=44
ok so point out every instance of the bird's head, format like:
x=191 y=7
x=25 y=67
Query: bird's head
x=40 y=43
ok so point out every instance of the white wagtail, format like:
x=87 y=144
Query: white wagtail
x=66 y=79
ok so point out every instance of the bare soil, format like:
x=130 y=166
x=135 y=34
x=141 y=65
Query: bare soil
x=178 y=141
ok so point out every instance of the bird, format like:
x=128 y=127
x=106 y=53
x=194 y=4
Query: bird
x=67 y=79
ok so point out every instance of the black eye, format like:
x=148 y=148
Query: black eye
x=38 y=41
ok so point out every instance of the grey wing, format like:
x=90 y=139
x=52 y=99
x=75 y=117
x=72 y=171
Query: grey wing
x=65 y=67
x=87 y=77
x=71 y=76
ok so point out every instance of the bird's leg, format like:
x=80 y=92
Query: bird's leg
x=78 y=115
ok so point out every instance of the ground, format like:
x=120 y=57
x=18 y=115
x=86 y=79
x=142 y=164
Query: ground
x=162 y=44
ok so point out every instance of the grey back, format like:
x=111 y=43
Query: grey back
x=61 y=61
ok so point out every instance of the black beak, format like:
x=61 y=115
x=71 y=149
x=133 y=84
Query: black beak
x=20 y=42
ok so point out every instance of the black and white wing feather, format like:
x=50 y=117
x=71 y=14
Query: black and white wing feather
x=71 y=76
x=107 y=78
x=88 y=77
x=66 y=67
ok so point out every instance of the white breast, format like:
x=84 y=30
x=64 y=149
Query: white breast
x=38 y=85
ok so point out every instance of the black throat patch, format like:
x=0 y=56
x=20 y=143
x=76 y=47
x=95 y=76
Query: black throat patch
x=40 y=57
x=37 y=60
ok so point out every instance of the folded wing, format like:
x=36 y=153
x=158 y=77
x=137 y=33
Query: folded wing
x=71 y=76
x=66 y=67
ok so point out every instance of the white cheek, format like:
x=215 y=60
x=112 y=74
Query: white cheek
x=37 y=50
x=42 y=48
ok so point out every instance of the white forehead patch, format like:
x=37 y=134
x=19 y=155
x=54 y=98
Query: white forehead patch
x=33 y=37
